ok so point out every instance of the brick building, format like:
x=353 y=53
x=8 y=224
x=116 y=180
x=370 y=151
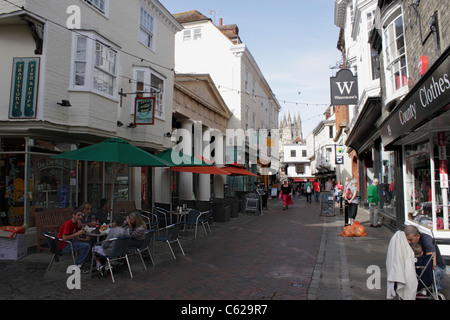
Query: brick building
x=403 y=136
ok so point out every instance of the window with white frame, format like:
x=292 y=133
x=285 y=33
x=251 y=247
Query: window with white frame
x=247 y=117
x=94 y=65
x=100 y=5
x=186 y=35
x=254 y=89
x=395 y=53
x=192 y=34
x=146 y=30
x=197 y=34
x=246 y=80
x=149 y=84
x=370 y=20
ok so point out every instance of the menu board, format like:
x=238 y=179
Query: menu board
x=327 y=204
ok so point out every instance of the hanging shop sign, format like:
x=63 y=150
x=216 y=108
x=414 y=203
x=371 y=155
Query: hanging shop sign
x=422 y=66
x=340 y=151
x=144 y=113
x=344 y=88
x=24 y=88
x=429 y=95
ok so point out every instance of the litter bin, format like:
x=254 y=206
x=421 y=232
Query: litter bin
x=221 y=211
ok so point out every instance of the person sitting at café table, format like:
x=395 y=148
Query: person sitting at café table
x=86 y=219
x=70 y=231
x=136 y=228
x=103 y=211
x=106 y=247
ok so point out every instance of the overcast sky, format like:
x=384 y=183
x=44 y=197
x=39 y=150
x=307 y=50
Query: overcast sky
x=293 y=43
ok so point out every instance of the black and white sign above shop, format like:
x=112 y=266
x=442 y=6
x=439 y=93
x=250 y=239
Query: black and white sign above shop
x=425 y=99
x=344 y=88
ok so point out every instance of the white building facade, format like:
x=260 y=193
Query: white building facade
x=86 y=80
x=203 y=47
x=322 y=150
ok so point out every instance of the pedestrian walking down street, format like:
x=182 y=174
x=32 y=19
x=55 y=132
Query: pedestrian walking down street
x=286 y=195
x=308 y=191
x=373 y=199
x=316 y=188
x=346 y=205
x=353 y=202
x=338 y=192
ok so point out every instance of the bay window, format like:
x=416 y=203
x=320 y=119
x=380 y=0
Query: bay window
x=395 y=54
x=94 y=66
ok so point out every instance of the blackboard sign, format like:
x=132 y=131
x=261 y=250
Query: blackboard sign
x=261 y=192
x=327 y=204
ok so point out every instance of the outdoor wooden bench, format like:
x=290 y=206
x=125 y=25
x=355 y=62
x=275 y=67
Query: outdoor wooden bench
x=50 y=221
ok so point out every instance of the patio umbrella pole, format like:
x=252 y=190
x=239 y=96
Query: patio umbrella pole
x=171 y=193
x=111 y=218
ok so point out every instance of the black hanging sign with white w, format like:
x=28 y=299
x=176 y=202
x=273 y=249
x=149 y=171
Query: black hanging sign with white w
x=344 y=88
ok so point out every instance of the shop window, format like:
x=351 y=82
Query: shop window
x=387 y=182
x=441 y=151
x=418 y=184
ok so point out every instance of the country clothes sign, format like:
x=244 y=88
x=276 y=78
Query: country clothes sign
x=429 y=96
x=24 y=88
x=144 y=113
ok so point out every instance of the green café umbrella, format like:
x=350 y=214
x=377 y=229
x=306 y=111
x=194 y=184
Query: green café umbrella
x=179 y=159
x=116 y=151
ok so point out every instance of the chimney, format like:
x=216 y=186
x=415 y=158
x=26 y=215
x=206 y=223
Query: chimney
x=220 y=22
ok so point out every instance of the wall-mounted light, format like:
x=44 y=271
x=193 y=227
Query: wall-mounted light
x=168 y=135
x=65 y=103
x=119 y=124
x=131 y=125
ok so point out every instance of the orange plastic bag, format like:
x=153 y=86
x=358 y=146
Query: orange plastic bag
x=354 y=230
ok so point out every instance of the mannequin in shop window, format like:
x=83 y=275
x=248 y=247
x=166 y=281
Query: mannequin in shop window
x=425 y=190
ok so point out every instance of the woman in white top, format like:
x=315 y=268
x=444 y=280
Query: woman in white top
x=353 y=202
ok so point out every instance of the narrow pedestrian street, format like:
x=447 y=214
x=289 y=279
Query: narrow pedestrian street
x=293 y=254
x=252 y=257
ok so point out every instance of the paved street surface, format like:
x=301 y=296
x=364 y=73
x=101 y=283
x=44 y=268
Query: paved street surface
x=295 y=254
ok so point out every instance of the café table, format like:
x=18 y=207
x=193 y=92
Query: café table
x=180 y=215
x=92 y=233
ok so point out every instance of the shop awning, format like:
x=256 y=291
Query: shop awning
x=238 y=170
x=365 y=127
x=201 y=170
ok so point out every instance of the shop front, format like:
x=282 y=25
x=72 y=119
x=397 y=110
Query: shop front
x=417 y=131
x=31 y=181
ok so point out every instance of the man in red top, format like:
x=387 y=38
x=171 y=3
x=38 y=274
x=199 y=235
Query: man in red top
x=70 y=231
x=316 y=188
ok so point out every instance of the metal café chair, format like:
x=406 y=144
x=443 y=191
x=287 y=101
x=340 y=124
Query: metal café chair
x=163 y=215
x=119 y=252
x=192 y=220
x=53 y=244
x=151 y=220
x=172 y=237
x=204 y=220
x=149 y=236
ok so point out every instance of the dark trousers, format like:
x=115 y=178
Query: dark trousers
x=308 y=197
x=346 y=212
